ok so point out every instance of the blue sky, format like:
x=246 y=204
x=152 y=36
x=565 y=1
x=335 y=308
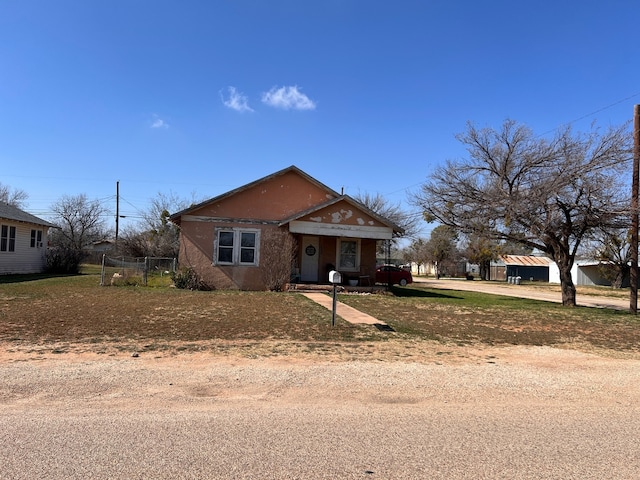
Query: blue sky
x=200 y=97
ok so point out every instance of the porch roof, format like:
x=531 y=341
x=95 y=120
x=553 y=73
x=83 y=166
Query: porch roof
x=384 y=232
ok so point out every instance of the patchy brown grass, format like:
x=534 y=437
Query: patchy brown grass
x=75 y=314
x=76 y=310
x=469 y=318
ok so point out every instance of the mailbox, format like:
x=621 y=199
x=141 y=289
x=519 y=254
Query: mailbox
x=335 y=277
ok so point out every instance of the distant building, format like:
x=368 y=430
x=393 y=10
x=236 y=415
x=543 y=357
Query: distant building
x=527 y=267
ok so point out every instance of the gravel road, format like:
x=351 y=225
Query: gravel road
x=526 y=413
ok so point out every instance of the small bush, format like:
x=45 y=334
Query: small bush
x=188 y=279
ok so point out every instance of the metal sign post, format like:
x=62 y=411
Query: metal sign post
x=333 y=311
x=334 y=278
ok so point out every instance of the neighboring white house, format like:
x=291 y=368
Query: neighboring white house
x=23 y=241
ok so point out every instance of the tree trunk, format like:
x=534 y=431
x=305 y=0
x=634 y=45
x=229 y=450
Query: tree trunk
x=567 y=287
x=617 y=281
x=485 y=270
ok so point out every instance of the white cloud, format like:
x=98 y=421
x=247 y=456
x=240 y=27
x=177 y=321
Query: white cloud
x=236 y=101
x=288 y=98
x=158 y=123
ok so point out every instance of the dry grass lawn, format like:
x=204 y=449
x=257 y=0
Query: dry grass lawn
x=76 y=315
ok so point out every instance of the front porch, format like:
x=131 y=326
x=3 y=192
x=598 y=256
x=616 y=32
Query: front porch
x=354 y=258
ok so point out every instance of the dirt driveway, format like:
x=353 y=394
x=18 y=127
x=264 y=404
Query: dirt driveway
x=524 y=291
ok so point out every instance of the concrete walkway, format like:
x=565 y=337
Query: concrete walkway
x=348 y=313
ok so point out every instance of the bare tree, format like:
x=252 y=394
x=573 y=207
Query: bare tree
x=612 y=249
x=546 y=194
x=277 y=257
x=13 y=196
x=391 y=211
x=80 y=223
x=163 y=203
x=155 y=235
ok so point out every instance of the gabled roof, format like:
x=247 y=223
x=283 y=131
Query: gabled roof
x=176 y=216
x=17 y=215
x=353 y=202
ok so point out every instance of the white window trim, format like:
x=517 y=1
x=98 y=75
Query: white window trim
x=35 y=240
x=10 y=240
x=339 y=250
x=237 y=235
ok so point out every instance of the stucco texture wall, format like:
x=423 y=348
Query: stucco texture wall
x=276 y=198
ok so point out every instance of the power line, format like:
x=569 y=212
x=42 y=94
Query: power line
x=591 y=114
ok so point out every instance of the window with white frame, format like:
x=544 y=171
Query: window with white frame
x=36 y=238
x=236 y=246
x=348 y=254
x=7 y=238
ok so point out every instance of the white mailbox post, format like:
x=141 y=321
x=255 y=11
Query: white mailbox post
x=335 y=278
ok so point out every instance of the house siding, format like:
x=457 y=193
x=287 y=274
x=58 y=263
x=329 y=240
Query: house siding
x=25 y=259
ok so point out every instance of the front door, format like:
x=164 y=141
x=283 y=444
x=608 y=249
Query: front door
x=310 y=258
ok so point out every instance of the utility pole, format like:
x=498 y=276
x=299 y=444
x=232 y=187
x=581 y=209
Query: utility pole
x=633 y=274
x=117 y=210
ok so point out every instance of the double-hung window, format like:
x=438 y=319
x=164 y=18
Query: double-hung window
x=236 y=246
x=36 y=238
x=348 y=254
x=7 y=238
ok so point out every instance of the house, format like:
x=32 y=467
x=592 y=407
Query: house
x=23 y=241
x=220 y=239
x=95 y=250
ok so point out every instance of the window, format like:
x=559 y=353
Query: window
x=236 y=246
x=225 y=247
x=247 y=247
x=348 y=255
x=36 y=238
x=7 y=239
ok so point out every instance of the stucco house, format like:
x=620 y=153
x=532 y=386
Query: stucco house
x=23 y=241
x=220 y=238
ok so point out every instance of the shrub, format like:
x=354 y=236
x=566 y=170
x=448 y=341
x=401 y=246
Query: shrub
x=188 y=279
x=63 y=259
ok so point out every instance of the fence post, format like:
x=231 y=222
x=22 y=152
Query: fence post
x=102 y=271
x=145 y=270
